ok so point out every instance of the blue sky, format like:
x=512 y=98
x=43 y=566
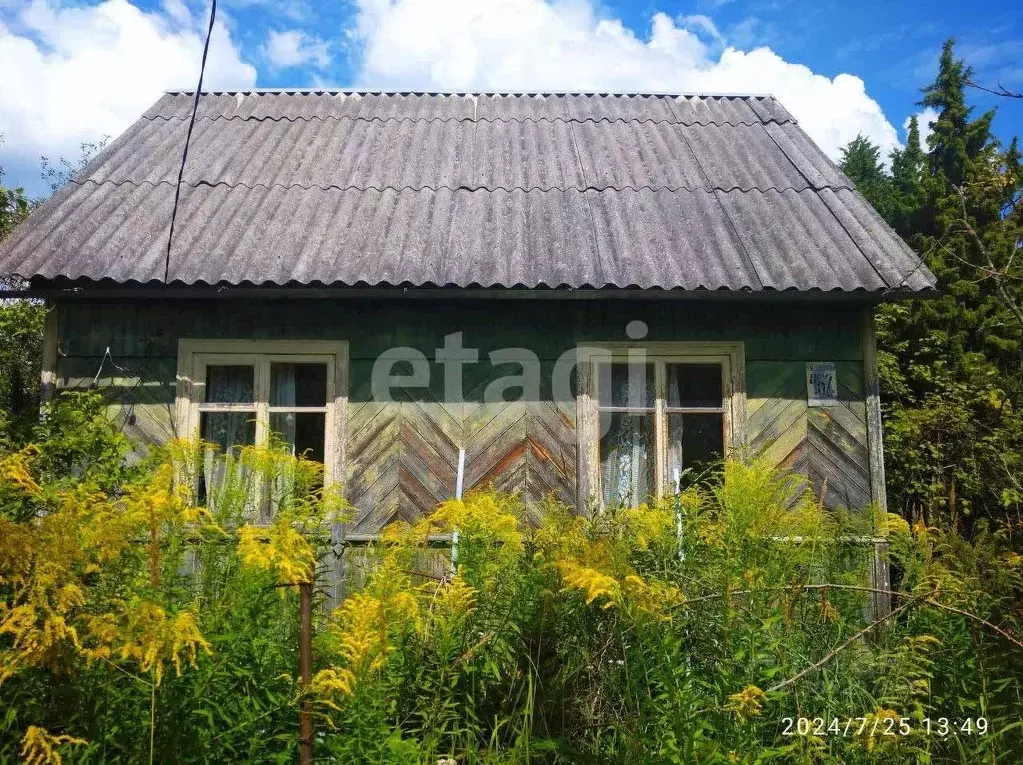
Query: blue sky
x=87 y=68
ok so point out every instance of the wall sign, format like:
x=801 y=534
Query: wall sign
x=821 y=383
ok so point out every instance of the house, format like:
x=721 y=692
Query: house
x=579 y=294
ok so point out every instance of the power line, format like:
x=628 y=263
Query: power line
x=188 y=138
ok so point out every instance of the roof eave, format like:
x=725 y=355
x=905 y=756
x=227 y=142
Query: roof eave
x=60 y=289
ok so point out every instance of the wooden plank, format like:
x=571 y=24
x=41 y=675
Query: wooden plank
x=875 y=443
x=791 y=414
x=51 y=334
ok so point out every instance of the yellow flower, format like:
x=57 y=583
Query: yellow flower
x=648 y=524
x=328 y=683
x=146 y=634
x=15 y=470
x=455 y=599
x=651 y=597
x=894 y=524
x=279 y=548
x=877 y=723
x=594 y=583
x=39 y=747
x=748 y=702
x=483 y=515
x=712 y=534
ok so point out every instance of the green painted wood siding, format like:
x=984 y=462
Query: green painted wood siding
x=402 y=456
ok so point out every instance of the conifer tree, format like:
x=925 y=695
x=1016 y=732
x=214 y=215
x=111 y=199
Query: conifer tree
x=861 y=161
x=952 y=366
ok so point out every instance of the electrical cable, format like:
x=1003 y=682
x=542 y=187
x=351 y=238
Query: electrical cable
x=188 y=138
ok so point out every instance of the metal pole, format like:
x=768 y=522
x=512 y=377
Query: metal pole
x=305 y=672
x=460 y=476
x=458 y=495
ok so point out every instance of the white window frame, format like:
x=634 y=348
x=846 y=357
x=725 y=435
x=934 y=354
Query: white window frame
x=731 y=357
x=195 y=355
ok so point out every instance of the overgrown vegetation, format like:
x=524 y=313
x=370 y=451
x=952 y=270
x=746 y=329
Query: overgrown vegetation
x=137 y=625
x=129 y=618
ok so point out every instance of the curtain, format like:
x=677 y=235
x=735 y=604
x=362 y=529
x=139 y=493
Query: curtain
x=627 y=449
x=674 y=429
x=230 y=385
x=223 y=475
x=283 y=394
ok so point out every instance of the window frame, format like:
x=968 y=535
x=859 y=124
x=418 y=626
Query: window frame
x=195 y=355
x=731 y=357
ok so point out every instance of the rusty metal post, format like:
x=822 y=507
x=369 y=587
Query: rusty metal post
x=305 y=672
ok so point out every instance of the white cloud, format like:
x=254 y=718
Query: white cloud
x=571 y=45
x=295 y=48
x=76 y=73
x=924 y=120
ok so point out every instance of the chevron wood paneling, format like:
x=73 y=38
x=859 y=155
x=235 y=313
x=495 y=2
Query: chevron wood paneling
x=828 y=445
x=403 y=456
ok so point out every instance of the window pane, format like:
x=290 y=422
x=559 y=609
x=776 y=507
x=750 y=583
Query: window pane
x=230 y=384
x=694 y=385
x=627 y=458
x=228 y=430
x=298 y=384
x=630 y=385
x=695 y=442
x=304 y=431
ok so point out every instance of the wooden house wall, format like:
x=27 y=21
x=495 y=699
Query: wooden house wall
x=402 y=456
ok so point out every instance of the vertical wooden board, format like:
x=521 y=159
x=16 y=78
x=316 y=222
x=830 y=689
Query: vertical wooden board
x=872 y=396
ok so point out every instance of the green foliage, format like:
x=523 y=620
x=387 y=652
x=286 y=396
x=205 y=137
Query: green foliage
x=21 y=333
x=59 y=174
x=951 y=367
x=144 y=626
x=133 y=618
x=861 y=161
x=21 y=319
x=14 y=206
x=626 y=638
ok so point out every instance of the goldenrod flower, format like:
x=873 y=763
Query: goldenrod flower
x=279 y=548
x=748 y=702
x=39 y=747
x=594 y=583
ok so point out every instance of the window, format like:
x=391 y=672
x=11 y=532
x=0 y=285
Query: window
x=238 y=392
x=659 y=414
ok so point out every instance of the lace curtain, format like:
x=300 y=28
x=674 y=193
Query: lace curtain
x=627 y=448
x=283 y=394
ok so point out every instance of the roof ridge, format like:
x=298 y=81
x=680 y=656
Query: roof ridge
x=506 y=120
x=472 y=93
x=471 y=189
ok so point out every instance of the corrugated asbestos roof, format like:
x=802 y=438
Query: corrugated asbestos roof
x=488 y=190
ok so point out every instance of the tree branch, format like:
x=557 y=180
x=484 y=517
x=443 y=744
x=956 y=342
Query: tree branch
x=995 y=273
x=998 y=90
x=835 y=651
x=927 y=598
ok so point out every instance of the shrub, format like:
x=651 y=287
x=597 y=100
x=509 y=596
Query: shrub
x=138 y=624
